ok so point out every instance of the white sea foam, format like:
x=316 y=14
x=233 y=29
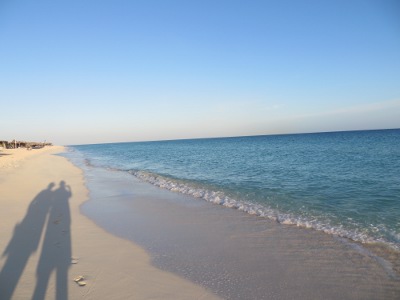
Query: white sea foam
x=218 y=197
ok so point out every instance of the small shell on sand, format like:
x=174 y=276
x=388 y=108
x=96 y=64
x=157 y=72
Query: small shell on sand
x=74 y=260
x=79 y=278
x=81 y=283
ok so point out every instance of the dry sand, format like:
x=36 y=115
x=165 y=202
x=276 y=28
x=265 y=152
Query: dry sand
x=32 y=254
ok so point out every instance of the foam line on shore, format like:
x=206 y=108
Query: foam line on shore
x=219 y=198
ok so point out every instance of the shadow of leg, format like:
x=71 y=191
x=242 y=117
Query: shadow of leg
x=62 y=288
x=11 y=273
x=43 y=276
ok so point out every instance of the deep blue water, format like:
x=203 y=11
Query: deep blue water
x=343 y=183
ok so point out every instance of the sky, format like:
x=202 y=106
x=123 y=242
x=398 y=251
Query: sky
x=92 y=71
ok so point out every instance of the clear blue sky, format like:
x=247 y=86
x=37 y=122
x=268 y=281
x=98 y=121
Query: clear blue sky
x=91 y=71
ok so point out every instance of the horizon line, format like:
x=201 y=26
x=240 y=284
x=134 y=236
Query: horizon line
x=232 y=137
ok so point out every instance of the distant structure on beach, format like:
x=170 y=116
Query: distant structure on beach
x=14 y=144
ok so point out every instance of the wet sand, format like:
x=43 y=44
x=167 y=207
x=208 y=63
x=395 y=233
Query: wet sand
x=236 y=255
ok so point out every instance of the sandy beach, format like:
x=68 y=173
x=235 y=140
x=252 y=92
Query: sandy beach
x=46 y=242
x=237 y=150
x=61 y=219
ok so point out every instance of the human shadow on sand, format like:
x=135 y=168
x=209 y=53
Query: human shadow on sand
x=48 y=212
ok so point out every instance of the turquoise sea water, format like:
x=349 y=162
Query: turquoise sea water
x=342 y=183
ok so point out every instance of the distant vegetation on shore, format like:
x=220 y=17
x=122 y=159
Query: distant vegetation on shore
x=14 y=144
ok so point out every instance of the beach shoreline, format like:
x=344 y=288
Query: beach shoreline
x=46 y=242
x=232 y=253
x=132 y=240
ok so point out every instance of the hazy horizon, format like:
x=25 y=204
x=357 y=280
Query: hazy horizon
x=122 y=71
x=229 y=137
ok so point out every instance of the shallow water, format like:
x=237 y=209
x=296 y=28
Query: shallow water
x=345 y=183
x=232 y=253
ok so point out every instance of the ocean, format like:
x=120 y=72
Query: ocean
x=345 y=184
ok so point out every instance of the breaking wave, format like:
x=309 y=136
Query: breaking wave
x=218 y=197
